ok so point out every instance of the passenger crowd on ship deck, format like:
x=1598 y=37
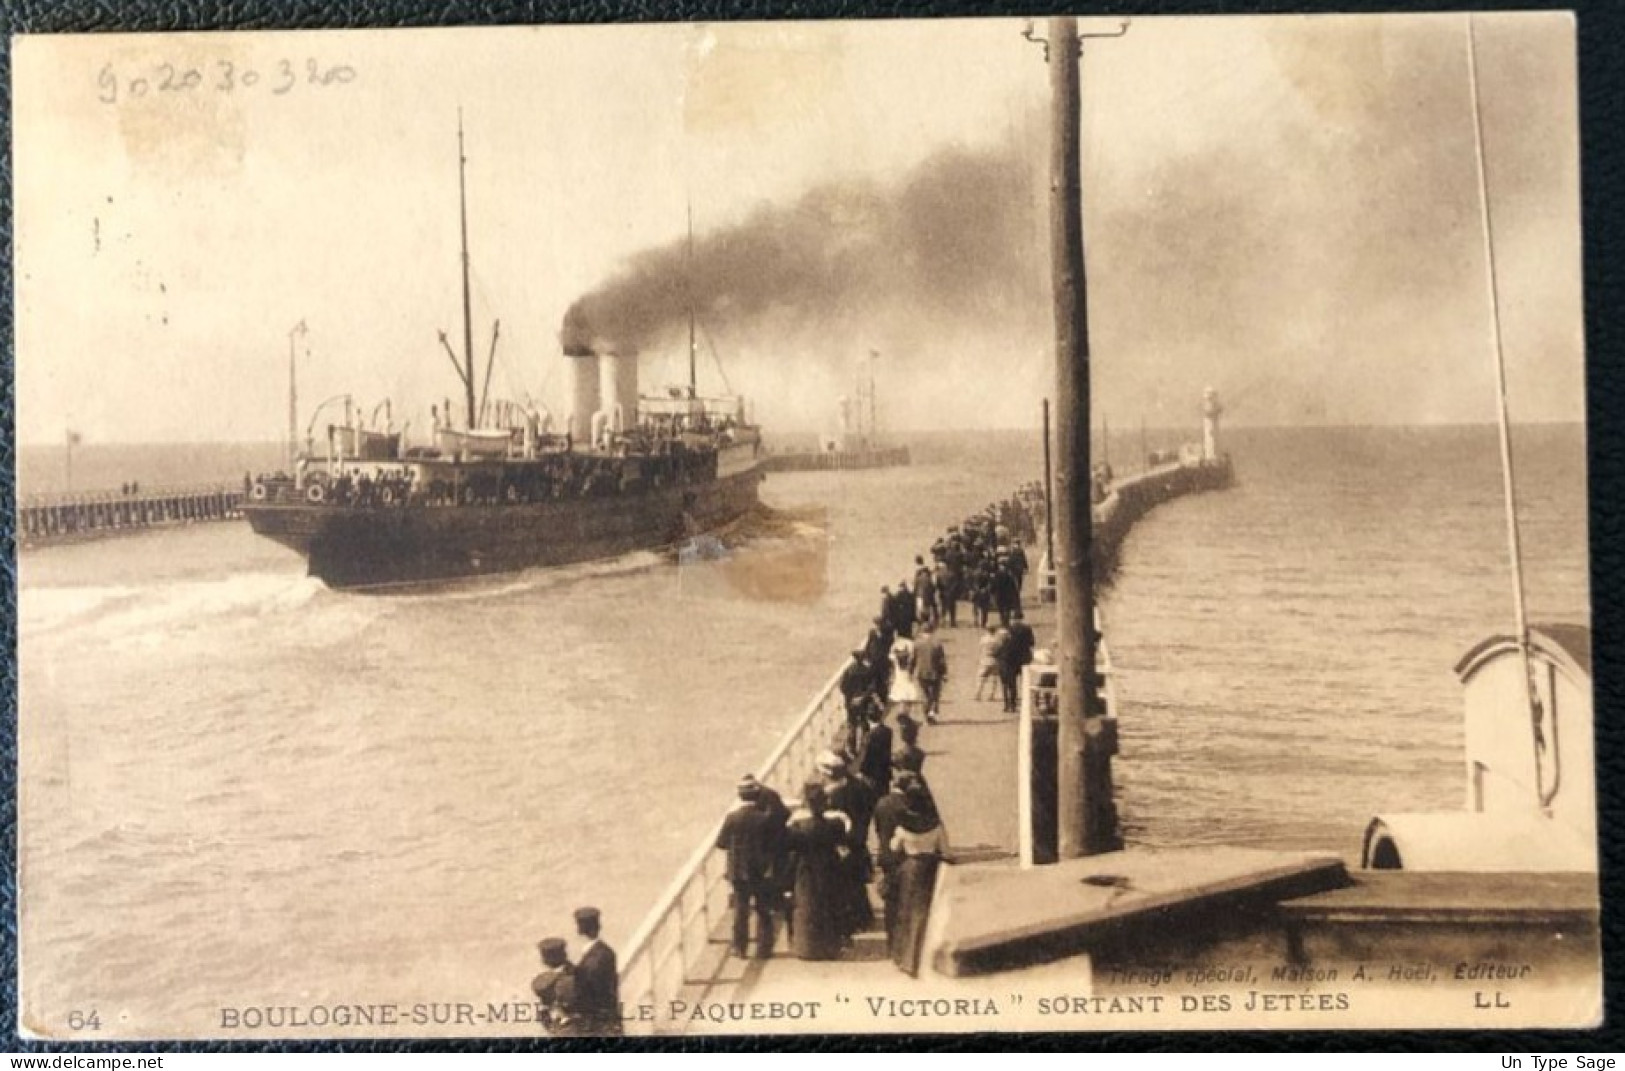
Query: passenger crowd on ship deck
x=869 y=816
x=551 y=478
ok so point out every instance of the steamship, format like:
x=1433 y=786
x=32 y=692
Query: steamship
x=856 y=443
x=501 y=490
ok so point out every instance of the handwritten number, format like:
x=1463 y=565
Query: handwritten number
x=168 y=78
x=82 y=1020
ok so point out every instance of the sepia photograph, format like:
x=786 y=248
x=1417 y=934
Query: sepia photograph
x=798 y=528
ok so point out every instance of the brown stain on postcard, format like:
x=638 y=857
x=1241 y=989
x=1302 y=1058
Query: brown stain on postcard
x=1334 y=73
x=761 y=75
x=181 y=112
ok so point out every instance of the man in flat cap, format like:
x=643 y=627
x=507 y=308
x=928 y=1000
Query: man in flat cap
x=877 y=655
x=857 y=680
x=555 y=990
x=888 y=812
x=752 y=835
x=597 y=979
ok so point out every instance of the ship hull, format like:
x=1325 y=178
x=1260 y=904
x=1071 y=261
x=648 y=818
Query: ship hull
x=381 y=548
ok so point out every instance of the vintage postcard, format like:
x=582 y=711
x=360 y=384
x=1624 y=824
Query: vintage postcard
x=753 y=528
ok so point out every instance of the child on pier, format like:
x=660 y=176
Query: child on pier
x=987 y=672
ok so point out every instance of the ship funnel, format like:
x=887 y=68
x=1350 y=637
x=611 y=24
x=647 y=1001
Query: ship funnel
x=618 y=389
x=582 y=371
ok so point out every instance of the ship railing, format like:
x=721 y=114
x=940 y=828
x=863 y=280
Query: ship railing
x=673 y=949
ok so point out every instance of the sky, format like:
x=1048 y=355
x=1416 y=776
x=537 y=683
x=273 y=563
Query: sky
x=1286 y=209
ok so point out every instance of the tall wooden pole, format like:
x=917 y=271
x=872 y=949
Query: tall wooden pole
x=1078 y=684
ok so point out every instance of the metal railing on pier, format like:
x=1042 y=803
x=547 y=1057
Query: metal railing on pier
x=670 y=951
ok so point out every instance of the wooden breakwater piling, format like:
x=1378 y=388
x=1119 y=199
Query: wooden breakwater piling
x=69 y=518
x=837 y=460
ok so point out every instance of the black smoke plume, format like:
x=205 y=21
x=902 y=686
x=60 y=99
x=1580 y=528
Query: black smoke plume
x=954 y=239
x=1315 y=256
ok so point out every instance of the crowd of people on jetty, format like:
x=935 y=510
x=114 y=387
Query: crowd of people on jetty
x=868 y=817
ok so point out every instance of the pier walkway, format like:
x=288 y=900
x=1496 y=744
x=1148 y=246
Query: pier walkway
x=971 y=768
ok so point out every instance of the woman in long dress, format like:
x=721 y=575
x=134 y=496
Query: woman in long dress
x=814 y=839
x=919 y=841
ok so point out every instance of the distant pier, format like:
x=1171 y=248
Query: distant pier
x=880 y=457
x=72 y=518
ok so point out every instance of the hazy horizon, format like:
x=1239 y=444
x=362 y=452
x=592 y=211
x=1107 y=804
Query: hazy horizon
x=1127 y=429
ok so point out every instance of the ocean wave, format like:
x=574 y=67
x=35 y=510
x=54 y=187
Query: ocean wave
x=41 y=611
x=150 y=614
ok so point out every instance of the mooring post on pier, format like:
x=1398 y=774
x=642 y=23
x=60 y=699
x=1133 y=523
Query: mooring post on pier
x=1083 y=822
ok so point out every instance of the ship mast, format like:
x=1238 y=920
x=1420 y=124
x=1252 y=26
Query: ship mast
x=468 y=325
x=293 y=396
x=874 y=425
x=693 y=380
